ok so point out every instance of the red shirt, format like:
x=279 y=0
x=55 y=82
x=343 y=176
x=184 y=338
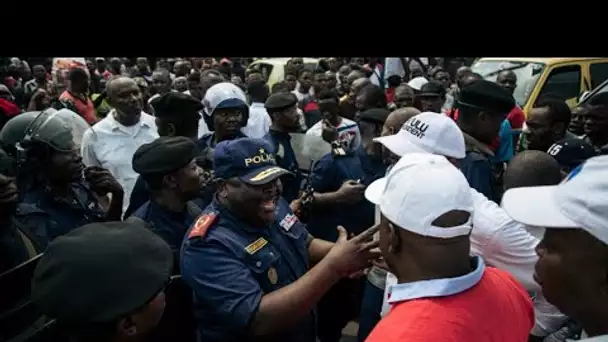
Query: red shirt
x=390 y=95
x=496 y=309
x=516 y=118
x=85 y=108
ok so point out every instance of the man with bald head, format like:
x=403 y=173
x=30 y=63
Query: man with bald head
x=392 y=125
x=351 y=78
x=404 y=96
x=112 y=141
x=531 y=168
x=355 y=81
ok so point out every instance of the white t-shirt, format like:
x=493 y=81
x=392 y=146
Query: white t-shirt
x=259 y=121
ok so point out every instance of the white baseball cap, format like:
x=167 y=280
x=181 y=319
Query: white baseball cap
x=427 y=132
x=580 y=201
x=418 y=190
x=416 y=83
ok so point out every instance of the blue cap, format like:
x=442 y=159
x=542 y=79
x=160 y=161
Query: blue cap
x=248 y=159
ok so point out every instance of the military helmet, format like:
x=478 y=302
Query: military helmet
x=61 y=130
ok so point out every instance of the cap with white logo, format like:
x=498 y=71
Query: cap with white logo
x=418 y=190
x=578 y=202
x=427 y=132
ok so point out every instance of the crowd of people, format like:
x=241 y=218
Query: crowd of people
x=437 y=209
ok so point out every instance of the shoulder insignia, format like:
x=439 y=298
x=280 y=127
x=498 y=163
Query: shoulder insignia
x=202 y=224
x=255 y=246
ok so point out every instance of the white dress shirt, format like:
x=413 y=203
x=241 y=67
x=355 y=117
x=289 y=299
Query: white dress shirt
x=111 y=145
x=259 y=121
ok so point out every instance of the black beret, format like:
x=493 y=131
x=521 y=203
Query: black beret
x=486 y=96
x=100 y=272
x=280 y=101
x=432 y=88
x=374 y=115
x=164 y=155
x=175 y=104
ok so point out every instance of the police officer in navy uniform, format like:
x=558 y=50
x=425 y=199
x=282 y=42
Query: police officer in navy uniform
x=371 y=122
x=51 y=175
x=177 y=114
x=104 y=282
x=168 y=167
x=284 y=114
x=482 y=107
x=339 y=179
x=226 y=113
x=24 y=227
x=247 y=258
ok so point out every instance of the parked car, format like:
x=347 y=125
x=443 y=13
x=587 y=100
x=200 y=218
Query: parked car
x=568 y=77
x=273 y=69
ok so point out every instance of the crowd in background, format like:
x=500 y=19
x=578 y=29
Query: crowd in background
x=420 y=154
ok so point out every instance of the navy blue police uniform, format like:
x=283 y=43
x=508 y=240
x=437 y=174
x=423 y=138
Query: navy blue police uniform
x=483 y=175
x=25 y=237
x=162 y=157
x=67 y=215
x=342 y=302
x=230 y=265
x=373 y=165
x=282 y=148
x=328 y=174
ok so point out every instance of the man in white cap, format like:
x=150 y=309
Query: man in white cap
x=416 y=83
x=501 y=241
x=427 y=216
x=573 y=254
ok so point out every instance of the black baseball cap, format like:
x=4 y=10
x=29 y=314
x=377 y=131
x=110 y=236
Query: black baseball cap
x=571 y=152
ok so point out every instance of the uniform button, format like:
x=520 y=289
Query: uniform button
x=258 y=264
x=271 y=254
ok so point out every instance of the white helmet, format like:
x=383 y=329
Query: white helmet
x=225 y=95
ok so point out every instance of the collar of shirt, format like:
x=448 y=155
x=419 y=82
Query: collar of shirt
x=143 y=121
x=437 y=287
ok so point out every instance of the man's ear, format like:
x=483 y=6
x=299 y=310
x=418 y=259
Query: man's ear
x=171 y=130
x=222 y=188
x=393 y=238
x=126 y=327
